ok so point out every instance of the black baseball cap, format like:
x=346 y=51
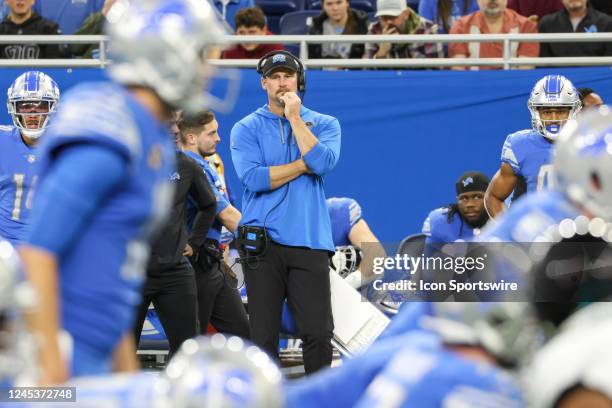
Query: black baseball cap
x=472 y=181
x=276 y=60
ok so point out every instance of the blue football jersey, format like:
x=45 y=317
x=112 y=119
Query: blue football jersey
x=529 y=218
x=427 y=374
x=528 y=153
x=220 y=195
x=412 y=370
x=18 y=176
x=102 y=272
x=344 y=213
x=438 y=229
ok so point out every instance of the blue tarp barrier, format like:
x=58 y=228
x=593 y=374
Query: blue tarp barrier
x=407 y=135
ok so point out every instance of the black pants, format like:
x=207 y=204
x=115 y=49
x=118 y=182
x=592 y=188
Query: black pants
x=218 y=302
x=172 y=290
x=300 y=275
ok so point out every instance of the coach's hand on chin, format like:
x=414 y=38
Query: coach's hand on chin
x=293 y=104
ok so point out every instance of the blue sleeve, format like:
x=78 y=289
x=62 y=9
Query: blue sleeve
x=67 y=198
x=509 y=155
x=222 y=201
x=427 y=9
x=354 y=211
x=246 y=156
x=342 y=386
x=324 y=155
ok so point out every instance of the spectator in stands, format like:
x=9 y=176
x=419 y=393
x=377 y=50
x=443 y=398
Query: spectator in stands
x=395 y=17
x=446 y=12
x=535 y=10
x=338 y=18
x=492 y=18
x=22 y=20
x=228 y=9
x=91 y=26
x=69 y=14
x=250 y=21
x=589 y=98
x=576 y=17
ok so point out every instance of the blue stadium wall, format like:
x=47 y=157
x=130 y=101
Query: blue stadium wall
x=406 y=135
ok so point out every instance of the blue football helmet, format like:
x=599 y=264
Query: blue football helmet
x=220 y=371
x=32 y=98
x=163 y=45
x=17 y=346
x=552 y=91
x=582 y=162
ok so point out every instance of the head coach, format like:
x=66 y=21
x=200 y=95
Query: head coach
x=281 y=153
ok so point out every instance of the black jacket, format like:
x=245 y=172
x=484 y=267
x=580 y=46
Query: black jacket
x=357 y=50
x=35 y=25
x=190 y=181
x=559 y=22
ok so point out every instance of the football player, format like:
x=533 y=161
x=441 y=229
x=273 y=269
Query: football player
x=104 y=188
x=463 y=219
x=580 y=200
x=349 y=228
x=32 y=99
x=525 y=157
x=451 y=358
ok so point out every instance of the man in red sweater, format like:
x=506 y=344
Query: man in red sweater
x=250 y=21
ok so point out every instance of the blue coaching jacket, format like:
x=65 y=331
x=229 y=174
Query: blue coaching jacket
x=294 y=214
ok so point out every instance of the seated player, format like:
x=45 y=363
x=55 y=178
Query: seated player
x=350 y=228
x=462 y=220
x=525 y=156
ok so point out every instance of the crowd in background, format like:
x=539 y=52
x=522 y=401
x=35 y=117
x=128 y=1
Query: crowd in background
x=245 y=17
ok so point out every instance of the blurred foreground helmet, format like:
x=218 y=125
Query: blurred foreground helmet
x=552 y=91
x=504 y=329
x=221 y=371
x=579 y=356
x=582 y=162
x=17 y=348
x=31 y=99
x=163 y=45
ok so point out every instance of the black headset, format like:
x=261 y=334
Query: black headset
x=301 y=83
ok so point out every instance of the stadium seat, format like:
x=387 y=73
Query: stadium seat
x=365 y=5
x=275 y=9
x=412 y=245
x=296 y=23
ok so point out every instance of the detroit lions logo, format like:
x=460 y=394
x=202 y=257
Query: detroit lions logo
x=279 y=58
x=31 y=158
x=467 y=181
